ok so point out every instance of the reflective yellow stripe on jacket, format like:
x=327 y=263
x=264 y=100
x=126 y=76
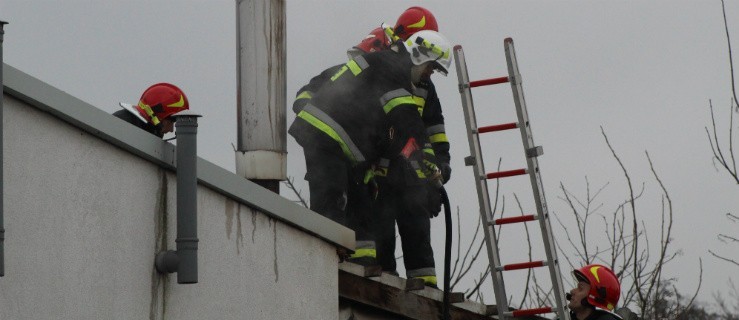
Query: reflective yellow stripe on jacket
x=437 y=134
x=325 y=123
x=419 y=95
x=304 y=95
x=417 y=168
x=356 y=66
x=398 y=97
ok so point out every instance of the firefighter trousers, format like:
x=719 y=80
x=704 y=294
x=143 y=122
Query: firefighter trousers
x=327 y=173
x=337 y=192
x=406 y=205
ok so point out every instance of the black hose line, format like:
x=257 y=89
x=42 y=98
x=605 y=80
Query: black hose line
x=447 y=252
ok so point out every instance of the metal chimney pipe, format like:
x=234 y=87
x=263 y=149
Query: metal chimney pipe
x=2 y=97
x=185 y=260
x=261 y=92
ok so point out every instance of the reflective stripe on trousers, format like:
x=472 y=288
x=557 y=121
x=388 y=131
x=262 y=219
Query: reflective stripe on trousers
x=427 y=274
x=365 y=249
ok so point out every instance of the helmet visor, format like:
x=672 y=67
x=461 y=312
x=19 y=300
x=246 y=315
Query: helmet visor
x=579 y=277
x=438 y=67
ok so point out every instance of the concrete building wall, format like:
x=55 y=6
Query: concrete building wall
x=84 y=219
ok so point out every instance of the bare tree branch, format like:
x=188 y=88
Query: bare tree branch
x=291 y=185
x=478 y=283
x=666 y=234
x=695 y=294
x=717 y=155
x=633 y=212
x=731 y=61
x=725 y=259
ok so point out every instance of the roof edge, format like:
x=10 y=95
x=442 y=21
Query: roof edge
x=106 y=127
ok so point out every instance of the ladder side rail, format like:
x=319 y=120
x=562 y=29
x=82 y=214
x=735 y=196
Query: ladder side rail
x=537 y=186
x=483 y=195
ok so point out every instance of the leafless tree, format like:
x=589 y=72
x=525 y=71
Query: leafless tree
x=726 y=158
x=626 y=246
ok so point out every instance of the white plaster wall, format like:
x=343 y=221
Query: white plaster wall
x=84 y=220
x=253 y=267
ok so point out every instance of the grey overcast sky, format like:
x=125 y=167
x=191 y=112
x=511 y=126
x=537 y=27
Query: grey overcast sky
x=644 y=71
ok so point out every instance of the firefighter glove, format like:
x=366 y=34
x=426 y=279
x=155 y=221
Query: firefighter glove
x=433 y=173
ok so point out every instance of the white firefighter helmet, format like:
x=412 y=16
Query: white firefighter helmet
x=428 y=45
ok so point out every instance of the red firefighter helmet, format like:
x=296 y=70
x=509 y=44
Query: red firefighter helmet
x=605 y=289
x=160 y=101
x=374 y=41
x=415 y=19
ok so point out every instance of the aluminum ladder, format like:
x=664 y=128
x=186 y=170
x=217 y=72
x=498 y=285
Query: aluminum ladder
x=486 y=214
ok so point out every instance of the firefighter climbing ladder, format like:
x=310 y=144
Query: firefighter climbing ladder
x=531 y=153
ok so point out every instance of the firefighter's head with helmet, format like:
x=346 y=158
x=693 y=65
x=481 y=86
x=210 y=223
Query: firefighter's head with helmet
x=429 y=51
x=412 y=20
x=597 y=291
x=157 y=105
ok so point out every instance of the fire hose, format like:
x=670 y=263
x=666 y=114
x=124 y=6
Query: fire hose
x=447 y=253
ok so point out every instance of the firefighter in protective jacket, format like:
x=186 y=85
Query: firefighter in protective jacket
x=360 y=201
x=365 y=110
x=403 y=195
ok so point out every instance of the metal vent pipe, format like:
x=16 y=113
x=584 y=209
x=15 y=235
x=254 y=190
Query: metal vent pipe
x=261 y=92
x=184 y=261
x=2 y=193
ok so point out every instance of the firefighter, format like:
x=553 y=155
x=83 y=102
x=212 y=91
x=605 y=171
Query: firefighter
x=359 y=205
x=596 y=294
x=404 y=198
x=154 y=111
x=364 y=110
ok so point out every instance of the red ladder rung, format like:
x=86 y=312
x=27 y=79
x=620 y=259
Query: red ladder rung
x=517 y=219
x=529 y=312
x=503 y=174
x=486 y=82
x=498 y=127
x=523 y=265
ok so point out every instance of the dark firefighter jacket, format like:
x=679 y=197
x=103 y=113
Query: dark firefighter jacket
x=432 y=116
x=367 y=107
